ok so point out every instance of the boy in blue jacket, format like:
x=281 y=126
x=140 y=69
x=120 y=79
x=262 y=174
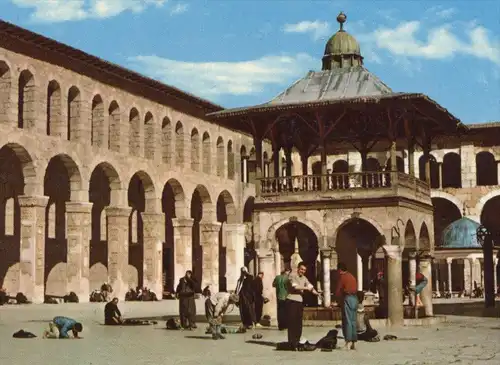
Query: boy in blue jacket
x=60 y=326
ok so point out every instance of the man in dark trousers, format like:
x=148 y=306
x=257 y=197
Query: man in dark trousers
x=259 y=299
x=280 y=283
x=297 y=286
x=245 y=292
x=112 y=315
x=187 y=306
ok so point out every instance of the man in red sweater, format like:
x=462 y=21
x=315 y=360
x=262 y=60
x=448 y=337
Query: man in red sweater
x=421 y=282
x=346 y=294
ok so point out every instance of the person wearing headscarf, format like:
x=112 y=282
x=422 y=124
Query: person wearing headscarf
x=185 y=291
x=246 y=294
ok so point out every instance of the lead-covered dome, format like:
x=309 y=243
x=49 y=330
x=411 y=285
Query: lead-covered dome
x=460 y=234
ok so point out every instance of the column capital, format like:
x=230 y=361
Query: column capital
x=265 y=254
x=393 y=251
x=236 y=227
x=152 y=217
x=32 y=200
x=182 y=222
x=449 y=260
x=210 y=226
x=79 y=207
x=116 y=211
x=426 y=258
x=326 y=254
x=412 y=255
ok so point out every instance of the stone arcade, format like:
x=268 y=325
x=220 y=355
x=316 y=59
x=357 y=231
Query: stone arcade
x=102 y=175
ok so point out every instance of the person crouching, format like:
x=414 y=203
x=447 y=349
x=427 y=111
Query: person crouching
x=216 y=306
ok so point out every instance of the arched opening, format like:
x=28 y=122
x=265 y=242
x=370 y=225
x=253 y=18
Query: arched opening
x=317 y=171
x=340 y=179
x=134 y=136
x=54 y=125
x=103 y=180
x=230 y=161
x=197 y=254
x=114 y=131
x=220 y=157
x=400 y=164
x=372 y=164
x=226 y=213
x=11 y=186
x=445 y=213
x=486 y=169
x=149 y=136
x=452 y=171
x=424 y=242
x=410 y=245
x=195 y=150
x=26 y=100
x=356 y=244
x=166 y=141
x=98 y=132
x=140 y=194
x=207 y=154
x=434 y=171
x=60 y=174
x=297 y=242
x=490 y=216
x=5 y=90
x=73 y=109
x=179 y=144
x=373 y=180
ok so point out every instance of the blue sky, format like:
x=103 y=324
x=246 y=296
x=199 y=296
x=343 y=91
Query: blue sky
x=238 y=53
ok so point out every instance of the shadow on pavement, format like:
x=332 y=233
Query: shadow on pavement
x=262 y=343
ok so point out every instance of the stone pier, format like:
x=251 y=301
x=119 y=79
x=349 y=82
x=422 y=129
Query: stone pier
x=266 y=265
x=394 y=285
x=426 y=295
x=183 y=247
x=209 y=240
x=153 y=225
x=234 y=240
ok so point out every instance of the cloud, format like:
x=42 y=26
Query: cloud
x=441 y=12
x=179 y=9
x=440 y=43
x=56 y=11
x=212 y=79
x=316 y=28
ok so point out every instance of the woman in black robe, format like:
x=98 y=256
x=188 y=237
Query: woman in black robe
x=187 y=306
x=246 y=293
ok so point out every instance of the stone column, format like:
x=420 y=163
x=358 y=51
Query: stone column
x=449 y=260
x=327 y=293
x=412 y=263
x=426 y=295
x=437 y=275
x=476 y=272
x=32 y=260
x=359 y=271
x=394 y=285
x=117 y=218
x=78 y=233
x=234 y=240
x=495 y=274
x=277 y=261
x=209 y=240
x=266 y=263
x=467 y=276
x=154 y=230
x=183 y=246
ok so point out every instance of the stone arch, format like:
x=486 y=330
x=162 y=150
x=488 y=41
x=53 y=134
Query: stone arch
x=482 y=202
x=31 y=185
x=148 y=188
x=149 y=136
x=452 y=198
x=206 y=201
x=452 y=170
x=348 y=218
x=220 y=157
x=434 y=167
x=340 y=166
x=486 y=169
x=104 y=187
x=73 y=173
x=166 y=141
x=134 y=136
x=207 y=153
x=489 y=214
x=55 y=125
x=98 y=133
x=230 y=161
x=73 y=123
x=114 y=124
x=195 y=150
x=446 y=211
x=26 y=107
x=424 y=241
x=400 y=164
x=410 y=236
x=5 y=90
x=271 y=232
x=372 y=164
x=179 y=144
x=173 y=206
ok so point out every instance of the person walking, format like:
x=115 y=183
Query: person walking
x=346 y=294
x=258 y=286
x=297 y=285
x=280 y=283
x=246 y=294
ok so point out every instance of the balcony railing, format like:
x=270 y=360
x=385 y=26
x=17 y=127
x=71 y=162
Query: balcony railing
x=285 y=185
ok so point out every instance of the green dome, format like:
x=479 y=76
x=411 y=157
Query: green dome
x=342 y=43
x=460 y=234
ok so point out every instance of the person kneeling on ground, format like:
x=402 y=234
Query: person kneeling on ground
x=216 y=306
x=60 y=326
x=112 y=315
x=363 y=326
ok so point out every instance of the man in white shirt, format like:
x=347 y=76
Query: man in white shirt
x=216 y=306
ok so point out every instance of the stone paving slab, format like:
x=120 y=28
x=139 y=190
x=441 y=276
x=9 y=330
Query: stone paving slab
x=462 y=340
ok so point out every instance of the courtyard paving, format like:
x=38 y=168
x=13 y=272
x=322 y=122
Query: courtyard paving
x=463 y=340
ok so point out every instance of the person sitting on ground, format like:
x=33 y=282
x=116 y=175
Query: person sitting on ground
x=112 y=315
x=60 y=326
x=216 y=306
x=4 y=298
x=363 y=326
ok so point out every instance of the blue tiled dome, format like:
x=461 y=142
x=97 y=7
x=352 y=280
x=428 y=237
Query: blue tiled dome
x=460 y=234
